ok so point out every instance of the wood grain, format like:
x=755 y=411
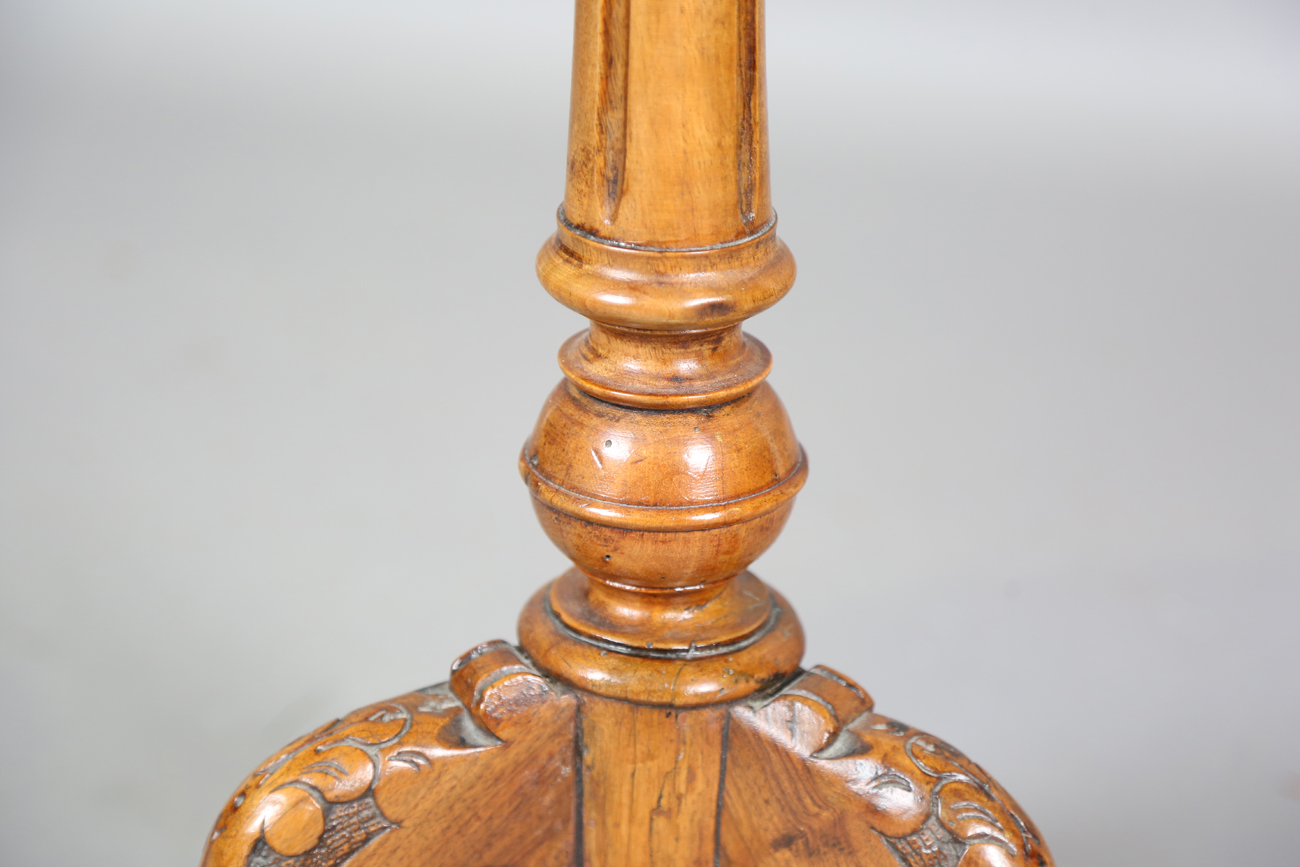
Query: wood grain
x=651 y=779
x=667 y=115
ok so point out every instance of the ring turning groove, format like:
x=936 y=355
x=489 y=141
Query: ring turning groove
x=664 y=519
x=666 y=290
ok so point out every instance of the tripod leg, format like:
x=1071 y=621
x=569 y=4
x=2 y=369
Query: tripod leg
x=476 y=771
x=815 y=777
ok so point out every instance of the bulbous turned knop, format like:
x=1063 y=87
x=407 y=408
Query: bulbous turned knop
x=663 y=499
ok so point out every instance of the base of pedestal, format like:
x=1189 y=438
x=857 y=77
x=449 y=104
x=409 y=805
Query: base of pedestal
x=673 y=677
x=502 y=765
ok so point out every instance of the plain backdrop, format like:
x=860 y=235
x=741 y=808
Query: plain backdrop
x=270 y=340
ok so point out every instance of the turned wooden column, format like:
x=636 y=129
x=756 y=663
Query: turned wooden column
x=655 y=713
x=663 y=464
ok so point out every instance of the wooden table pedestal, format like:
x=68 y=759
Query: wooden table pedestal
x=655 y=711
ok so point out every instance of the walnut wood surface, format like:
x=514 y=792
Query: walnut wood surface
x=655 y=712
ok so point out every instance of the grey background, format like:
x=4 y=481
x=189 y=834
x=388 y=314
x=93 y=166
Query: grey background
x=271 y=340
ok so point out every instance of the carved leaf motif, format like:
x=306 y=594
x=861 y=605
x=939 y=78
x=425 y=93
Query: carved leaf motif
x=292 y=820
x=340 y=773
x=306 y=803
x=348 y=828
x=966 y=814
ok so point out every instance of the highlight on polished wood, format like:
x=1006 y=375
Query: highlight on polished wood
x=654 y=711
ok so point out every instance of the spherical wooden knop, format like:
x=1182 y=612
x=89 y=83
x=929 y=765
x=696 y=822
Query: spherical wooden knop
x=663 y=499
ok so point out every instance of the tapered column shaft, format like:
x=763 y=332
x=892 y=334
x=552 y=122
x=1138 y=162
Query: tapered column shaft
x=668 y=123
